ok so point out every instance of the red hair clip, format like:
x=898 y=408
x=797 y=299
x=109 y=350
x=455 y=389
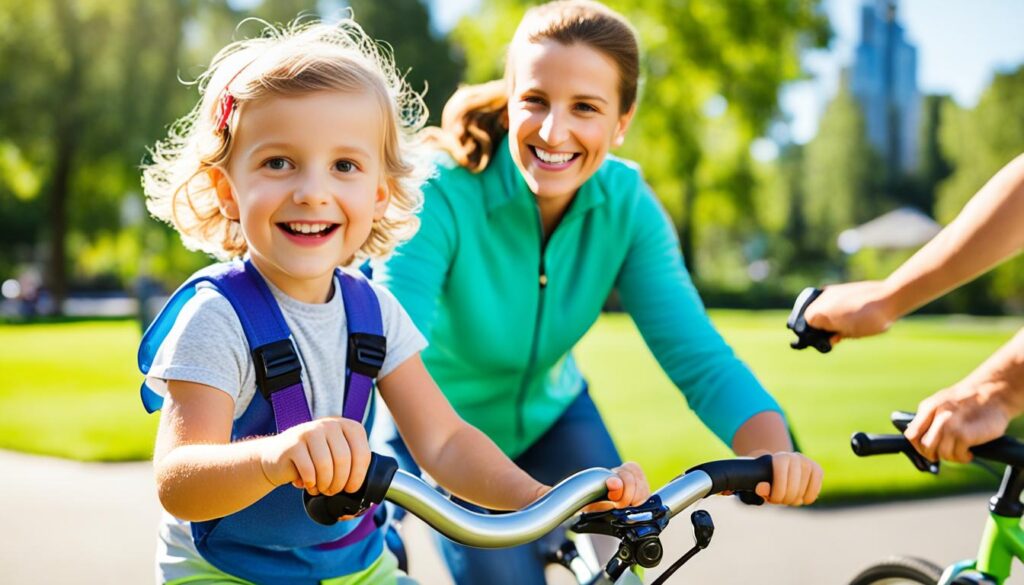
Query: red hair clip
x=227 y=105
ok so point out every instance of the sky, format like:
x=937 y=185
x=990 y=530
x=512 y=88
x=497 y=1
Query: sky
x=960 y=43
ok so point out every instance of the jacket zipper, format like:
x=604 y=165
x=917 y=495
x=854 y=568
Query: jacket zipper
x=542 y=283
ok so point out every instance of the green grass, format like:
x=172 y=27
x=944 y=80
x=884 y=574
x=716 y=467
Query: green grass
x=826 y=398
x=70 y=389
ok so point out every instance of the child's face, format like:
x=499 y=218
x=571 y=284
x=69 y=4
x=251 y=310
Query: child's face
x=305 y=179
x=563 y=115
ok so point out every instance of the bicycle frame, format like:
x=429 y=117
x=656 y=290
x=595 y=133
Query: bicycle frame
x=1001 y=542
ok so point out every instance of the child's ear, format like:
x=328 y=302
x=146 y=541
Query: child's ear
x=225 y=194
x=383 y=198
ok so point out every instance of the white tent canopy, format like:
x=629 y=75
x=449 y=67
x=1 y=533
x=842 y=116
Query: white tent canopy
x=905 y=227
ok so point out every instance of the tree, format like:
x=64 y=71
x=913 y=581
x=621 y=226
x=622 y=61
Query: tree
x=841 y=185
x=86 y=86
x=933 y=166
x=432 y=64
x=977 y=143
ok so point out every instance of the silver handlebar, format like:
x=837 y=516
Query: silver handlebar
x=539 y=518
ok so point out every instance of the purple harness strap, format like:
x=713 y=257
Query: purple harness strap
x=264 y=324
x=362 y=309
x=365 y=527
x=290 y=407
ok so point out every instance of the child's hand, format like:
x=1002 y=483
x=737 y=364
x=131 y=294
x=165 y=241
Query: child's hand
x=796 y=480
x=628 y=488
x=324 y=456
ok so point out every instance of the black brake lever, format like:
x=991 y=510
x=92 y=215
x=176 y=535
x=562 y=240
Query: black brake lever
x=901 y=419
x=807 y=336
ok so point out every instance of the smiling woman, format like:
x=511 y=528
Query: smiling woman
x=565 y=115
x=527 y=226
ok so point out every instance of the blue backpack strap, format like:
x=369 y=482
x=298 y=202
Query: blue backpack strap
x=161 y=326
x=367 y=345
x=276 y=361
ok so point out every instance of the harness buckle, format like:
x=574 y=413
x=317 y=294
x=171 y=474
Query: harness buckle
x=366 y=353
x=277 y=366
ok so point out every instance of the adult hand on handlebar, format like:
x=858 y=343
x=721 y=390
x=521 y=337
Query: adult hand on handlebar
x=855 y=309
x=796 y=480
x=628 y=488
x=951 y=421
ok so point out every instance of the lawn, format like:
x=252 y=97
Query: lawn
x=71 y=389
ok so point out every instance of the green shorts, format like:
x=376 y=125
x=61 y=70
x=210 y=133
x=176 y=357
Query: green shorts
x=384 y=571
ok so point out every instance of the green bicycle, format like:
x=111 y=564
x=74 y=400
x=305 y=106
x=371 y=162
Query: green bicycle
x=1003 y=538
x=1001 y=542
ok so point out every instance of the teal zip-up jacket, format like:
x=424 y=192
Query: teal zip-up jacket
x=503 y=310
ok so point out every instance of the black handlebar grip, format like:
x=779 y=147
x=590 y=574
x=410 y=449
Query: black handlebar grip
x=807 y=336
x=736 y=474
x=865 y=445
x=327 y=509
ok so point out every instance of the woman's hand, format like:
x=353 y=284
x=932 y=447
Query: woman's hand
x=796 y=480
x=628 y=488
x=855 y=309
x=324 y=456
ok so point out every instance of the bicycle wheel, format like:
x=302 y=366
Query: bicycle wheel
x=896 y=570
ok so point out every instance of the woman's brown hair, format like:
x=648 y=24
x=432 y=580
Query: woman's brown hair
x=474 y=119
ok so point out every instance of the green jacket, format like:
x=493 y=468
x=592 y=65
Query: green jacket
x=503 y=310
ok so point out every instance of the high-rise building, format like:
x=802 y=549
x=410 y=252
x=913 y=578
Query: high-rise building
x=884 y=80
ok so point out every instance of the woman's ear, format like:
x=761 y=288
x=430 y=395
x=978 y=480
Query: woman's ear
x=225 y=194
x=623 y=126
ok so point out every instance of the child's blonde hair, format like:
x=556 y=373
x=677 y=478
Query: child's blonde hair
x=295 y=59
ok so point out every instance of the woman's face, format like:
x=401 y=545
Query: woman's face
x=563 y=115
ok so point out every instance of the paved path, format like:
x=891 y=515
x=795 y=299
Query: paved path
x=95 y=523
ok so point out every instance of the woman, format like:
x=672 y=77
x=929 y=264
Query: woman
x=526 y=228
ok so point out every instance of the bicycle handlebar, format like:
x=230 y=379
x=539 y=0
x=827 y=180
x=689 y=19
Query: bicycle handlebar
x=1005 y=449
x=384 y=480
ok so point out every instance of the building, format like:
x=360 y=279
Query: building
x=883 y=78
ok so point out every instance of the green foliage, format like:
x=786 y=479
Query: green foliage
x=840 y=174
x=86 y=86
x=977 y=144
x=933 y=166
x=739 y=52
x=431 y=62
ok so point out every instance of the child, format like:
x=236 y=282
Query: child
x=297 y=159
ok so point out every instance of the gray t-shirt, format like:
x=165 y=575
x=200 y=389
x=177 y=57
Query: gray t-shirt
x=207 y=345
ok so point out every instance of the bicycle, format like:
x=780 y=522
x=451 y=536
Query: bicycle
x=1003 y=538
x=637 y=528
x=1001 y=542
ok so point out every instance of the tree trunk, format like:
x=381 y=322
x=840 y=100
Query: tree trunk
x=65 y=145
x=59 y=182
